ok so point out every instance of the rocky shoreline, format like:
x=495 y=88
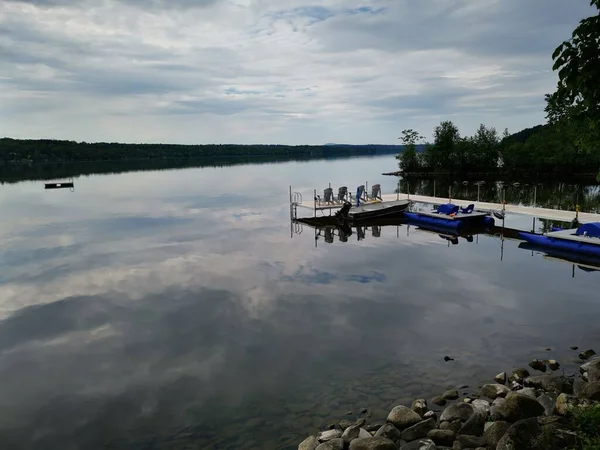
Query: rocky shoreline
x=520 y=410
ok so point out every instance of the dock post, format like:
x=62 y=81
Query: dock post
x=535 y=196
x=315 y=200
x=398 y=189
x=434 y=188
x=478 y=187
x=408 y=189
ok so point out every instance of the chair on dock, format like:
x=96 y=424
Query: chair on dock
x=329 y=235
x=361 y=195
x=376 y=192
x=468 y=210
x=376 y=231
x=342 y=194
x=328 y=196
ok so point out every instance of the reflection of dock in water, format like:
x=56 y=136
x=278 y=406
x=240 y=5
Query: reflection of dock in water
x=60 y=185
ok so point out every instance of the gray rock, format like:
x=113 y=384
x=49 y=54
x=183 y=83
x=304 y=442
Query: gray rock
x=439 y=401
x=350 y=433
x=430 y=415
x=529 y=392
x=458 y=411
x=592 y=362
x=522 y=435
x=360 y=422
x=310 y=443
x=574 y=347
x=457 y=446
x=548 y=401
x=345 y=424
x=420 y=444
x=519 y=374
x=474 y=425
x=418 y=430
x=450 y=395
x=469 y=441
x=553 y=364
x=494 y=390
x=373 y=427
x=494 y=433
x=499 y=401
x=453 y=426
x=536 y=364
x=587 y=354
x=372 y=443
x=364 y=433
x=550 y=383
x=467 y=400
x=518 y=407
x=593 y=370
x=500 y=378
x=515 y=386
x=482 y=405
x=402 y=417
x=494 y=415
x=325 y=436
x=420 y=406
x=585 y=377
x=388 y=431
x=441 y=437
x=591 y=391
x=334 y=444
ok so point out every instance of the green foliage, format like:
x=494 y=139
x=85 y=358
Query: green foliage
x=587 y=423
x=28 y=151
x=409 y=159
x=575 y=105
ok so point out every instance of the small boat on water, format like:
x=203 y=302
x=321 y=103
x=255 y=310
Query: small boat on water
x=452 y=216
x=373 y=210
x=584 y=239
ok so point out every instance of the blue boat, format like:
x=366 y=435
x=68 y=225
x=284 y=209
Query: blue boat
x=450 y=216
x=584 y=240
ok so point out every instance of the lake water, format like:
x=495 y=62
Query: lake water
x=172 y=310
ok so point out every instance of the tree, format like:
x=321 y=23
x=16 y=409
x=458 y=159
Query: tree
x=575 y=106
x=408 y=159
x=446 y=137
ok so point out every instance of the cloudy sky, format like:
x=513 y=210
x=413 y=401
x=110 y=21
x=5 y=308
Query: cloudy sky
x=274 y=71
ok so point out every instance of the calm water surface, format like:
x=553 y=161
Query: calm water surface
x=172 y=310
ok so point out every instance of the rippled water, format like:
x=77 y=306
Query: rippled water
x=172 y=310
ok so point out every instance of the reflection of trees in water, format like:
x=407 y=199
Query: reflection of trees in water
x=555 y=195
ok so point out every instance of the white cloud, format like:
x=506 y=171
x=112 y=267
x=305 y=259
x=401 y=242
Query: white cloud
x=274 y=71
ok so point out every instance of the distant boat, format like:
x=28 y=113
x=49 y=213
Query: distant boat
x=59 y=184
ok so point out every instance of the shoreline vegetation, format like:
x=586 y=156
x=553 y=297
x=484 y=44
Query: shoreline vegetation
x=534 y=408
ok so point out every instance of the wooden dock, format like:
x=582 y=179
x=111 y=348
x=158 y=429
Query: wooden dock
x=543 y=213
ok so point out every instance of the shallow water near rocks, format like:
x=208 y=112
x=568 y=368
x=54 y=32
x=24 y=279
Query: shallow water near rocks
x=172 y=310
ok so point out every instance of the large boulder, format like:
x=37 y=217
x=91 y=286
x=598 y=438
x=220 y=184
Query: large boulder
x=469 y=441
x=372 y=443
x=591 y=391
x=548 y=401
x=334 y=444
x=500 y=378
x=345 y=424
x=474 y=425
x=519 y=374
x=536 y=364
x=522 y=435
x=550 y=383
x=325 y=436
x=586 y=354
x=529 y=392
x=441 y=437
x=420 y=444
x=458 y=411
x=482 y=405
x=420 y=406
x=494 y=433
x=351 y=433
x=494 y=390
x=402 y=417
x=388 y=431
x=418 y=430
x=518 y=407
x=310 y=443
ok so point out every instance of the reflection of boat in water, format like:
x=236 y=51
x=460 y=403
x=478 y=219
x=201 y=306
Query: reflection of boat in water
x=583 y=240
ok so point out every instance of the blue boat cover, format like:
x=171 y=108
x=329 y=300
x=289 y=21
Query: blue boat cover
x=448 y=209
x=589 y=229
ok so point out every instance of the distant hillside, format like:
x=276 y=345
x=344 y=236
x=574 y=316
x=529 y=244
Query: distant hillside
x=525 y=134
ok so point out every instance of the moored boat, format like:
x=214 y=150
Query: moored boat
x=585 y=239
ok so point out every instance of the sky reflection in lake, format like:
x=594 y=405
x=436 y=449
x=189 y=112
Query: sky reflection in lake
x=173 y=310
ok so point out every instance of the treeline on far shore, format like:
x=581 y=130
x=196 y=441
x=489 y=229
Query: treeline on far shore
x=540 y=151
x=49 y=150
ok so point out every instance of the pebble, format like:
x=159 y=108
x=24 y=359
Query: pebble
x=553 y=364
